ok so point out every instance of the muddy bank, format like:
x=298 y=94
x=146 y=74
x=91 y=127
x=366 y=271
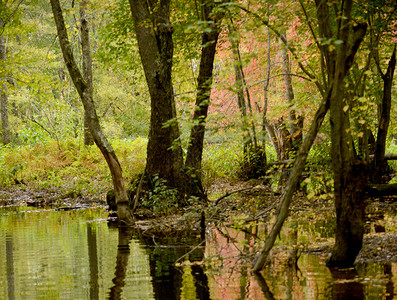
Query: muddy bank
x=20 y=196
x=249 y=203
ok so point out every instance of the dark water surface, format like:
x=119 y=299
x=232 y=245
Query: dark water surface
x=47 y=254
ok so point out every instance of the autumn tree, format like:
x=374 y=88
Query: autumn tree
x=349 y=176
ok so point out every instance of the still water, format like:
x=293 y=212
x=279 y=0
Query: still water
x=47 y=254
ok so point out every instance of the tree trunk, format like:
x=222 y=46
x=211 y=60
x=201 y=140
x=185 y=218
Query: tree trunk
x=87 y=65
x=349 y=176
x=5 y=126
x=120 y=192
x=154 y=35
x=295 y=128
x=345 y=60
x=204 y=83
x=292 y=184
x=380 y=148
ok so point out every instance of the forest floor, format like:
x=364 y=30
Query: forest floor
x=237 y=204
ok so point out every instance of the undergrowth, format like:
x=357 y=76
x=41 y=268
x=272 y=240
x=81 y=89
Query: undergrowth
x=68 y=166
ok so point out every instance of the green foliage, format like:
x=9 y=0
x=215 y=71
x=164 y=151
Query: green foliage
x=221 y=160
x=160 y=197
x=318 y=173
x=69 y=166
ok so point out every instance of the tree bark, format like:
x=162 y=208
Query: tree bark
x=87 y=66
x=292 y=183
x=380 y=148
x=346 y=205
x=204 y=82
x=154 y=35
x=101 y=141
x=349 y=176
x=5 y=125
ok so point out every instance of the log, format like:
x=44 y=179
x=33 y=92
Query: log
x=381 y=190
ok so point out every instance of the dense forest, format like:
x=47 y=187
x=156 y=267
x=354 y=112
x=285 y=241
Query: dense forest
x=158 y=100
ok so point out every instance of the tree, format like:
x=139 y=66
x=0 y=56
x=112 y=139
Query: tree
x=209 y=41
x=349 y=177
x=87 y=65
x=384 y=120
x=5 y=16
x=5 y=126
x=154 y=35
x=101 y=141
x=164 y=153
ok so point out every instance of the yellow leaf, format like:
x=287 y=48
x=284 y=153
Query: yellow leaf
x=346 y=108
x=360 y=134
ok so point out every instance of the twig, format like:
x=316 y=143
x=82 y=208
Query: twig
x=187 y=253
x=231 y=193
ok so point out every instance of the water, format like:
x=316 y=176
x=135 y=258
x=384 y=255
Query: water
x=48 y=254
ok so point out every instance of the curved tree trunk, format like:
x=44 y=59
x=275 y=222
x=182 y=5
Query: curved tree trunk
x=292 y=184
x=103 y=144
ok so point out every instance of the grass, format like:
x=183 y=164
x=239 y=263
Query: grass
x=69 y=166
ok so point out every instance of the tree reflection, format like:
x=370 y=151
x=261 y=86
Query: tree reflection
x=389 y=286
x=264 y=287
x=123 y=252
x=346 y=284
x=201 y=282
x=10 y=266
x=93 y=261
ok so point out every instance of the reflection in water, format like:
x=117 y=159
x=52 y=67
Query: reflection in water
x=389 y=286
x=171 y=282
x=93 y=261
x=10 y=266
x=346 y=284
x=123 y=252
x=72 y=255
x=201 y=281
x=264 y=287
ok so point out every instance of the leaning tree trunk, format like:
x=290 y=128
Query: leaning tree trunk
x=343 y=206
x=292 y=184
x=380 y=148
x=204 y=83
x=121 y=196
x=154 y=35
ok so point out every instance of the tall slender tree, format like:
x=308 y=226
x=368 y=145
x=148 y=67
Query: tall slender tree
x=87 y=65
x=5 y=126
x=209 y=39
x=100 y=139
